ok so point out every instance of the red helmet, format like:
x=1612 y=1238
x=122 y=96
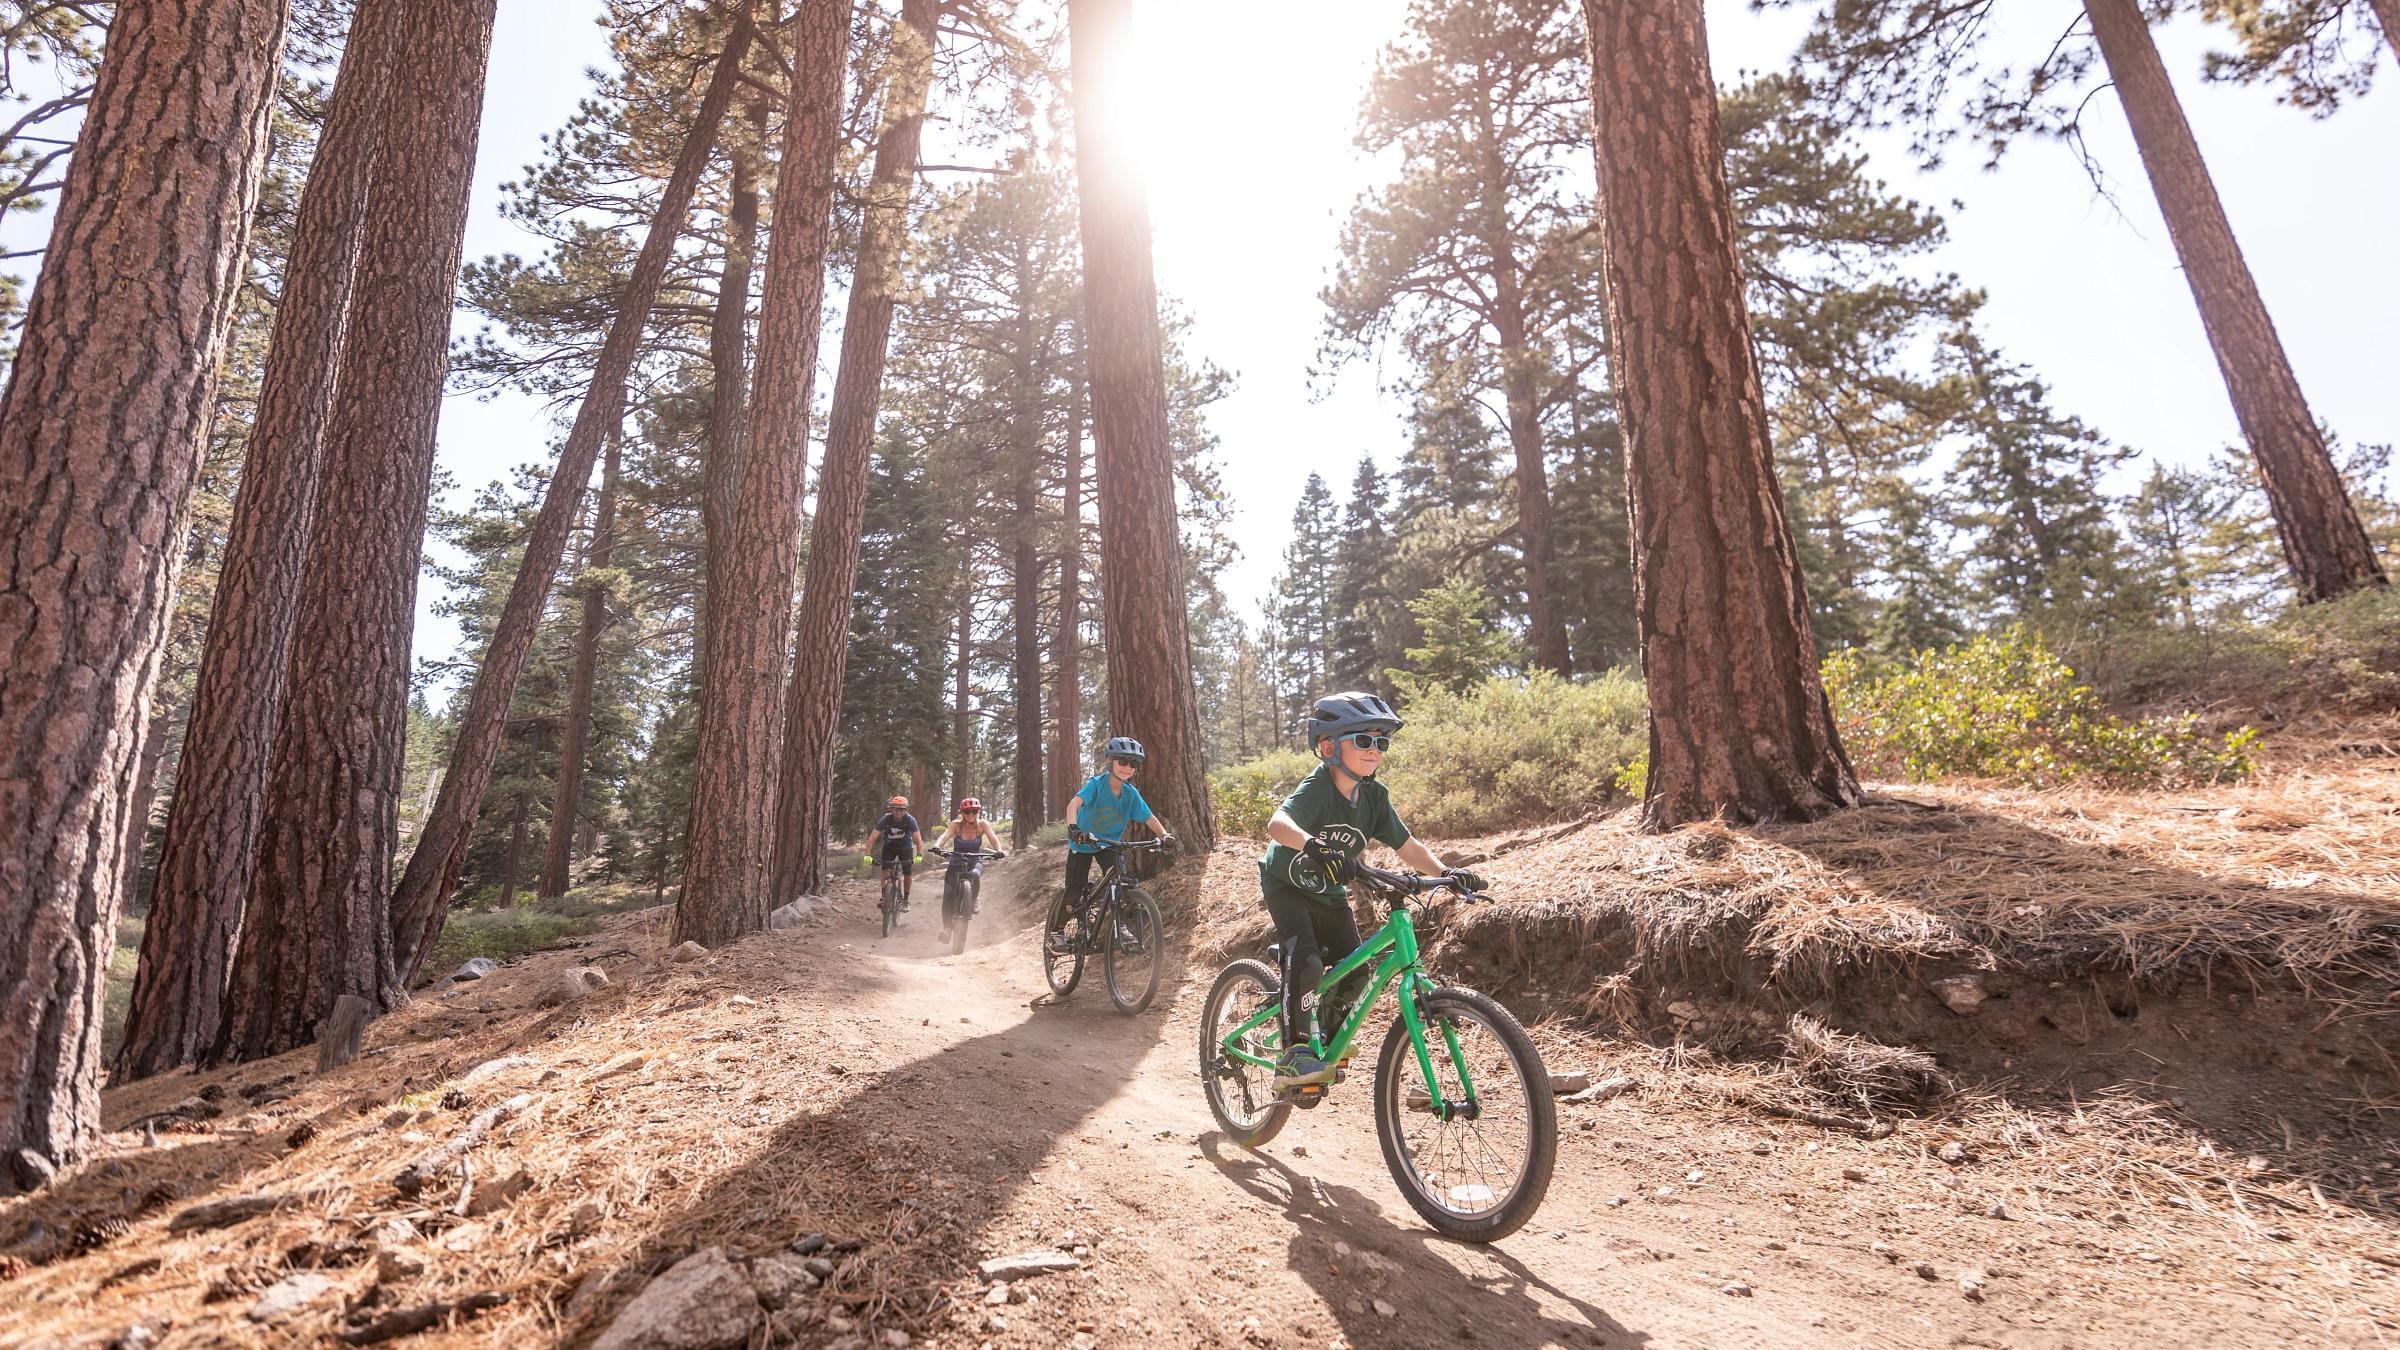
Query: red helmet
x=966 y=804
x=901 y=802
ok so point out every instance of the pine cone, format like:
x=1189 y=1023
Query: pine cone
x=301 y=1134
x=454 y=1100
x=92 y=1236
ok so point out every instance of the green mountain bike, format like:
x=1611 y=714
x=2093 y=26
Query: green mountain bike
x=1115 y=920
x=1462 y=1099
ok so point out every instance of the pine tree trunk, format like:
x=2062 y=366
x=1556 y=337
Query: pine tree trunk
x=1027 y=617
x=516 y=850
x=425 y=888
x=2387 y=17
x=1069 y=749
x=731 y=845
x=2324 y=542
x=558 y=852
x=1739 y=724
x=728 y=349
x=204 y=861
x=1147 y=627
x=1533 y=474
x=317 y=925
x=101 y=437
x=962 y=743
x=812 y=709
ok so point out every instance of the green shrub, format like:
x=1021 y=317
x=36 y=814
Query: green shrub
x=1051 y=835
x=1510 y=752
x=498 y=934
x=2005 y=706
x=1247 y=794
x=2342 y=655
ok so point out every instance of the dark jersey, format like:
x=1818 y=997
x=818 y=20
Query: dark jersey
x=895 y=827
x=1319 y=807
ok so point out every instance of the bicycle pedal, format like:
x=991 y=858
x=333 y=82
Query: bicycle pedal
x=1307 y=1098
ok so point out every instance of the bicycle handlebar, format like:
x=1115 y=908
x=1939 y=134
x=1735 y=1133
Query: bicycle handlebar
x=994 y=854
x=1129 y=843
x=1399 y=884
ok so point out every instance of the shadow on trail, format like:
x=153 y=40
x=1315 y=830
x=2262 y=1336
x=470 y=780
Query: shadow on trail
x=1432 y=1297
x=909 y=1172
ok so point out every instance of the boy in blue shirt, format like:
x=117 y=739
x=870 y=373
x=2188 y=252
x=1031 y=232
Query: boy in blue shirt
x=1105 y=808
x=1318 y=836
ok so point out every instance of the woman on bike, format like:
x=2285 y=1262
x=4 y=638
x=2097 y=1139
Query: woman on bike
x=968 y=836
x=1105 y=808
x=1318 y=835
x=897 y=839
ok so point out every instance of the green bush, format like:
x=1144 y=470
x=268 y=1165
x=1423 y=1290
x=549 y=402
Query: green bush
x=1247 y=794
x=2342 y=655
x=2005 y=706
x=499 y=934
x=1502 y=753
x=1051 y=835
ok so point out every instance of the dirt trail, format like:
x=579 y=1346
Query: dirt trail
x=931 y=1110
x=1095 y=1123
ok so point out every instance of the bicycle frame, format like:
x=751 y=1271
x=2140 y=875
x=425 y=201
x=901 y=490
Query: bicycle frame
x=1396 y=943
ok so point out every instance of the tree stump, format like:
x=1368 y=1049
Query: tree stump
x=338 y=1035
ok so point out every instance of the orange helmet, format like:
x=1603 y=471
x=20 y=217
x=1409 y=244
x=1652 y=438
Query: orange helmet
x=900 y=802
x=968 y=805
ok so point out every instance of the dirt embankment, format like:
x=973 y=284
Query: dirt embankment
x=901 y=1115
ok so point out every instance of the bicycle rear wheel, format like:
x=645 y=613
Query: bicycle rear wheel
x=1241 y=1095
x=1475 y=1176
x=1133 y=950
x=1062 y=947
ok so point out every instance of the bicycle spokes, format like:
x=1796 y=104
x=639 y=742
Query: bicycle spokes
x=1468 y=1135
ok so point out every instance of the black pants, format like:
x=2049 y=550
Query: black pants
x=1315 y=937
x=1079 y=870
x=901 y=852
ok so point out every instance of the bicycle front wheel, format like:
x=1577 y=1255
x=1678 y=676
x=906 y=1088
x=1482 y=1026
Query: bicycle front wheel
x=1134 y=950
x=1062 y=947
x=891 y=905
x=1479 y=1169
x=960 y=912
x=1241 y=1095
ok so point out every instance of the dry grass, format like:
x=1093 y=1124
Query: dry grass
x=1853 y=1071
x=719 y=1135
x=2293 y=877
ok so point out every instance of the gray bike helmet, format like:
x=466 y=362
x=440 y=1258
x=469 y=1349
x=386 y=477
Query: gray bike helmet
x=1124 y=747
x=1338 y=715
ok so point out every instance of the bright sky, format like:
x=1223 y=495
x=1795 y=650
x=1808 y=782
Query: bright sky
x=1254 y=103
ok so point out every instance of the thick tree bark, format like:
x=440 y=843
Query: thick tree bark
x=728 y=347
x=1147 y=627
x=1739 y=725
x=1068 y=752
x=812 y=710
x=558 y=851
x=318 y=923
x=731 y=844
x=101 y=434
x=2324 y=542
x=2387 y=16
x=425 y=888
x=204 y=861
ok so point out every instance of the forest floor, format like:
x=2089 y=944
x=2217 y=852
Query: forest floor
x=925 y=1112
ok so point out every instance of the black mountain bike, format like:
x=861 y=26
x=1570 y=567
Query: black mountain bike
x=962 y=891
x=1115 y=920
x=895 y=895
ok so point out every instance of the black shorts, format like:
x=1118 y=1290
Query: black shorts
x=901 y=852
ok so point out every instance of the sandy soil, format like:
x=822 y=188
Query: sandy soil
x=937 y=1110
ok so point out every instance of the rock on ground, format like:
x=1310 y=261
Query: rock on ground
x=1002 y=1269
x=475 y=969
x=703 y=1302
x=1961 y=994
x=573 y=983
x=687 y=951
x=283 y=1301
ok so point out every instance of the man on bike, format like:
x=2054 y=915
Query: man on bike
x=969 y=837
x=1318 y=835
x=897 y=839
x=1105 y=808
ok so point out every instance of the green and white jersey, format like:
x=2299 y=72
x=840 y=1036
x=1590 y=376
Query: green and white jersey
x=1319 y=807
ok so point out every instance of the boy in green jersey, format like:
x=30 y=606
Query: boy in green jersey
x=1318 y=836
